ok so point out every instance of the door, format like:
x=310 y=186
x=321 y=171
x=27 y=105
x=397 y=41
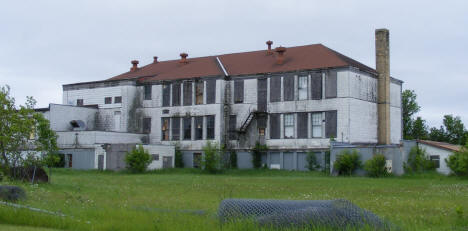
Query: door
x=117 y=121
x=197 y=157
x=262 y=95
x=101 y=162
x=167 y=161
x=68 y=160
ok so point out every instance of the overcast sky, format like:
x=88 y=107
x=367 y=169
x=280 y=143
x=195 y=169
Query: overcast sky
x=44 y=44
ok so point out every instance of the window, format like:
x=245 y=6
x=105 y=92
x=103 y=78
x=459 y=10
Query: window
x=199 y=86
x=199 y=128
x=331 y=124
x=147 y=92
x=210 y=127
x=166 y=95
x=261 y=131
x=176 y=94
x=155 y=157
x=302 y=87
x=175 y=128
x=164 y=128
x=436 y=160
x=275 y=89
x=288 y=126
x=108 y=100
x=317 y=124
x=79 y=102
x=197 y=159
x=239 y=91
x=118 y=99
x=187 y=93
x=146 y=125
x=302 y=125
x=330 y=84
x=210 y=91
x=274 y=128
x=232 y=127
x=316 y=85
x=288 y=88
x=187 y=128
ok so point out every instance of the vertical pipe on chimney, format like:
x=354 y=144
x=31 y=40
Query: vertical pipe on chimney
x=155 y=59
x=183 y=58
x=382 y=58
x=269 y=43
x=134 y=65
x=280 y=57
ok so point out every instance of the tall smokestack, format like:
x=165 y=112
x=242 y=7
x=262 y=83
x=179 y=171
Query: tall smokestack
x=382 y=59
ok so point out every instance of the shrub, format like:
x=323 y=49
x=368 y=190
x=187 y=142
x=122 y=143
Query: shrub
x=257 y=152
x=233 y=159
x=458 y=162
x=347 y=162
x=138 y=159
x=211 y=160
x=375 y=167
x=418 y=161
x=179 y=159
x=311 y=161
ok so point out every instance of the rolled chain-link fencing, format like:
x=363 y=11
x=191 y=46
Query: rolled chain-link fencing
x=335 y=214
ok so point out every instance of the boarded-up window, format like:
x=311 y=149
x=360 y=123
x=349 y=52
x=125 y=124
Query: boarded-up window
x=175 y=126
x=147 y=125
x=288 y=126
x=288 y=88
x=176 y=94
x=262 y=94
x=108 y=100
x=79 y=102
x=274 y=126
x=302 y=125
x=147 y=92
x=187 y=128
x=164 y=128
x=210 y=127
x=166 y=97
x=330 y=84
x=302 y=87
x=275 y=89
x=187 y=93
x=232 y=127
x=239 y=91
x=210 y=91
x=330 y=126
x=199 y=128
x=316 y=85
x=317 y=124
x=199 y=86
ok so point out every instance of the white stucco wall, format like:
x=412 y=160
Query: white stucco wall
x=61 y=115
x=162 y=151
x=442 y=153
x=395 y=113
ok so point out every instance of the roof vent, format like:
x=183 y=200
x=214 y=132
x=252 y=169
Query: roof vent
x=280 y=57
x=155 y=59
x=134 y=65
x=183 y=58
x=269 y=43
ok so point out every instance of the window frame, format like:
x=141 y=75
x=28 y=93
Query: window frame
x=198 y=127
x=107 y=100
x=199 y=92
x=118 y=99
x=210 y=128
x=290 y=125
x=146 y=120
x=79 y=102
x=316 y=124
x=165 y=128
x=302 y=89
x=147 y=92
x=185 y=135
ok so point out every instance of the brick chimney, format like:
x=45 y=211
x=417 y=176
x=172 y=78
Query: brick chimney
x=382 y=59
x=280 y=57
x=183 y=58
x=134 y=65
x=269 y=43
x=155 y=59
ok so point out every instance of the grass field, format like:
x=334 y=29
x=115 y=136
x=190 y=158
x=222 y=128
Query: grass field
x=118 y=201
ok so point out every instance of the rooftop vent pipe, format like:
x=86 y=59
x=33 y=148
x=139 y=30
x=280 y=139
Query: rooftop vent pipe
x=134 y=65
x=269 y=43
x=155 y=59
x=280 y=57
x=183 y=58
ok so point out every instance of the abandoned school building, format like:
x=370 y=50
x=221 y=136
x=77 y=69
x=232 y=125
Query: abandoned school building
x=294 y=100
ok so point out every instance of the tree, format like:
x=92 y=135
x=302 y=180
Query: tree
x=138 y=159
x=211 y=160
x=410 y=107
x=257 y=153
x=455 y=129
x=419 y=129
x=458 y=162
x=179 y=159
x=438 y=134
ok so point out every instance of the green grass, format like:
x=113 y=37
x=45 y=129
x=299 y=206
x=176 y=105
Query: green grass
x=118 y=201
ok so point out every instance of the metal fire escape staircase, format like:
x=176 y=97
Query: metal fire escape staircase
x=247 y=122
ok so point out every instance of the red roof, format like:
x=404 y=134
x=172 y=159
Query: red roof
x=298 y=58
x=450 y=147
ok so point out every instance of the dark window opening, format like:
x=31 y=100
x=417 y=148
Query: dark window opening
x=108 y=100
x=232 y=127
x=187 y=93
x=197 y=158
x=118 y=99
x=199 y=86
x=147 y=92
x=239 y=91
x=176 y=94
x=275 y=89
x=330 y=84
x=316 y=85
x=166 y=95
x=288 y=89
x=210 y=91
x=155 y=157
x=330 y=124
x=164 y=128
x=274 y=126
x=210 y=127
x=147 y=125
x=435 y=160
x=199 y=128
x=187 y=128
x=302 y=125
x=175 y=128
x=79 y=102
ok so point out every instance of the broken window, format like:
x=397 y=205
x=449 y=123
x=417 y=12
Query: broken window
x=302 y=87
x=330 y=124
x=118 y=99
x=210 y=91
x=288 y=88
x=187 y=128
x=302 y=125
x=166 y=95
x=199 y=86
x=164 y=128
x=288 y=126
x=316 y=85
x=210 y=127
x=239 y=91
x=147 y=92
x=330 y=84
x=108 y=100
x=275 y=89
x=176 y=94
x=274 y=128
x=232 y=127
x=199 y=128
x=147 y=125
x=79 y=102
x=175 y=126
x=187 y=93
x=317 y=124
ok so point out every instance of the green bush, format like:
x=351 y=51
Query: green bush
x=257 y=152
x=179 y=159
x=458 y=162
x=347 y=162
x=138 y=159
x=418 y=161
x=211 y=159
x=311 y=161
x=375 y=167
x=233 y=159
